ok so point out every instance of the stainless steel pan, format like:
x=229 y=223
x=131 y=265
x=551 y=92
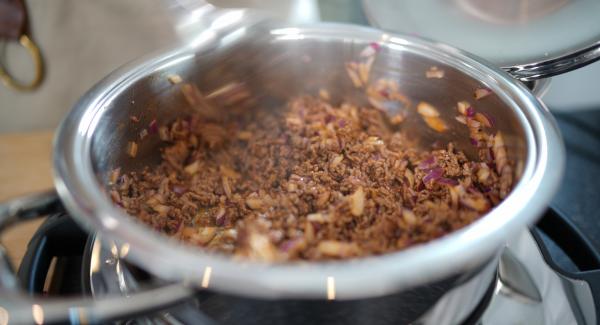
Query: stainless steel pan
x=277 y=61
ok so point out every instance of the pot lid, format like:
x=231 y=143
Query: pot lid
x=508 y=33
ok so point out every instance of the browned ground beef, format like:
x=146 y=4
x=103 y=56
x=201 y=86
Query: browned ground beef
x=310 y=181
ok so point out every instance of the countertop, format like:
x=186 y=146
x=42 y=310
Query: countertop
x=25 y=167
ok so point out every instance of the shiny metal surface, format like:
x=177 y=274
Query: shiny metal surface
x=531 y=38
x=561 y=300
x=277 y=62
x=514 y=278
x=451 y=308
x=20 y=308
x=527 y=290
x=555 y=66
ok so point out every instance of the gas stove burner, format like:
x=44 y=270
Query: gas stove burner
x=549 y=275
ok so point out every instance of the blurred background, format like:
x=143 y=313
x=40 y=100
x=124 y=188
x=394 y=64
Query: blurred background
x=83 y=40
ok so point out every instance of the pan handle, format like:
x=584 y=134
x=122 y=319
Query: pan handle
x=583 y=253
x=555 y=66
x=17 y=307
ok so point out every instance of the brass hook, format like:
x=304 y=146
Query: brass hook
x=34 y=51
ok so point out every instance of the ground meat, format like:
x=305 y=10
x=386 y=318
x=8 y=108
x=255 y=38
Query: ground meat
x=309 y=181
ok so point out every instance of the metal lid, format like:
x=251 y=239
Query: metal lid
x=546 y=36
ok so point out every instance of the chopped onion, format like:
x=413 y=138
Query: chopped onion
x=499 y=150
x=435 y=123
x=143 y=134
x=426 y=109
x=351 y=69
x=163 y=133
x=409 y=217
x=434 y=73
x=220 y=217
x=179 y=189
x=317 y=217
x=461 y=119
x=152 y=127
x=364 y=69
x=396 y=119
x=357 y=202
x=427 y=163
x=470 y=111
x=324 y=94
x=244 y=135
x=114 y=175
x=192 y=168
x=337 y=248
x=481 y=93
x=462 y=107
x=447 y=181
x=174 y=79
x=477 y=203
x=370 y=50
x=132 y=149
x=254 y=203
x=433 y=175
x=134 y=118
x=292 y=244
x=485 y=119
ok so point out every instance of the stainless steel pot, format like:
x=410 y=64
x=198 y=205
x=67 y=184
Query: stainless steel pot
x=278 y=61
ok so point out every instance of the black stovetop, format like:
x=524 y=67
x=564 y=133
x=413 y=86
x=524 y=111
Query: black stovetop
x=579 y=197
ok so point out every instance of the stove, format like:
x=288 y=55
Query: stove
x=549 y=274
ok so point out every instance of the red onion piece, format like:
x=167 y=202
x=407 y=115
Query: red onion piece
x=490 y=118
x=221 y=221
x=433 y=175
x=375 y=46
x=152 y=127
x=289 y=244
x=316 y=225
x=474 y=142
x=470 y=111
x=482 y=92
x=329 y=118
x=447 y=181
x=179 y=189
x=427 y=163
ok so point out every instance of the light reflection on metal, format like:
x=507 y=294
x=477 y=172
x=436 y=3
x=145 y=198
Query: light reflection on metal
x=206 y=277
x=124 y=250
x=286 y=31
x=290 y=37
x=233 y=36
x=114 y=250
x=83 y=317
x=109 y=221
x=38 y=314
x=95 y=258
x=4 y=316
x=227 y=19
x=330 y=288
x=398 y=40
x=203 y=38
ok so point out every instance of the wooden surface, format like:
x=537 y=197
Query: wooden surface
x=25 y=167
